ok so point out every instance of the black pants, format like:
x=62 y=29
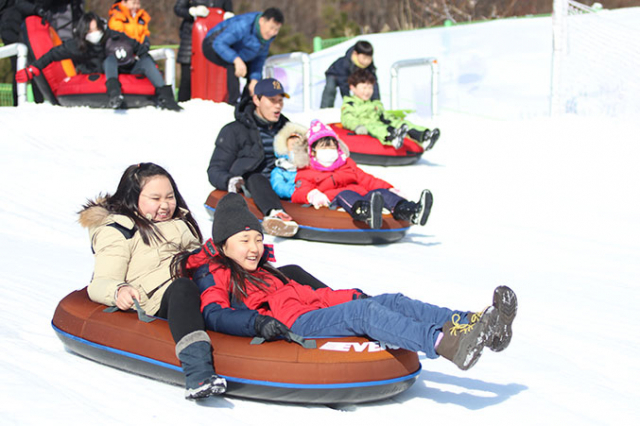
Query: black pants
x=262 y=192
x=233 y=83
x=184 y=91
x=180 y=305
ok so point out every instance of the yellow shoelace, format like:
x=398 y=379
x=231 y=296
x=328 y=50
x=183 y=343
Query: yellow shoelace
x=465 y=328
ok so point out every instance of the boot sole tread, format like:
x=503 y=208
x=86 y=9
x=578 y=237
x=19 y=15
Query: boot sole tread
x=506 y=303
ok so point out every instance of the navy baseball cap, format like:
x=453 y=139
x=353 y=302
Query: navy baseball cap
x=269 y=87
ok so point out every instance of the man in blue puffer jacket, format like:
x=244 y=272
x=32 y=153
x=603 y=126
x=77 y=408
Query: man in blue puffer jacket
x=241 y=45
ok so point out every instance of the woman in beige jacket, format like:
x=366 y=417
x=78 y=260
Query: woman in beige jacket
x=135 y=234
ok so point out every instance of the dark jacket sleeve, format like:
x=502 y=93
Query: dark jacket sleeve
x=223 y=157
x=217 y=311
x=182 y=10
x=27 y=7
x=226 y=5
x=57 y=53
x=376 y=92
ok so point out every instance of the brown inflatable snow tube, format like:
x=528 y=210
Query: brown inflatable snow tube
x=340 y=370
x=327 y=225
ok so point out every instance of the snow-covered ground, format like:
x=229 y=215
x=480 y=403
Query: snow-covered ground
x=549 y=207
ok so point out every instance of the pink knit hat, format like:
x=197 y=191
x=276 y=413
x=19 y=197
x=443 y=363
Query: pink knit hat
x=318 y=130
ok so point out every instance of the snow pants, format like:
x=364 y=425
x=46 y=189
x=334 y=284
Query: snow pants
x=347 y=198
x=145 y=66
x=379 y=129
x=390 y=318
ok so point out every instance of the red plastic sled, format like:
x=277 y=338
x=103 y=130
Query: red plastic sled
x=366 y=149
x=60 y=84
x=208 y=80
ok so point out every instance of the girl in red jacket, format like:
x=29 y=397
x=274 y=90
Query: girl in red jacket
x=242 y=294
x=333 y=177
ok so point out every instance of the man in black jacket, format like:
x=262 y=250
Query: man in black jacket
x=244 y=155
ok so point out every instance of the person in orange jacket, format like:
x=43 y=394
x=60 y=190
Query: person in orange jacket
x=128 y=17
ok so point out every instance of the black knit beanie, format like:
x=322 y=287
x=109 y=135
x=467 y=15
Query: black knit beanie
x=231 y=216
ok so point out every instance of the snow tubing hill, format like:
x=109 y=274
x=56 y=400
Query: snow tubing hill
x=328 y=226
x=60 y=84
x=366 y=149
x=208 y=80
x=339 y=370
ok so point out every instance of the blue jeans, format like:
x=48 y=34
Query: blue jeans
x=390 y=318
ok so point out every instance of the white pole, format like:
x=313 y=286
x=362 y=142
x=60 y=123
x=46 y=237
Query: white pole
x=559 y=53
x=21 y=51
x=299 y=57
x=395 y=68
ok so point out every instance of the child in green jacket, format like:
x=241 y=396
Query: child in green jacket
x=365 y=116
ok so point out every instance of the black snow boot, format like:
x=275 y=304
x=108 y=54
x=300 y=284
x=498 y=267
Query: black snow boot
x=369 y=211
x=114 y=94
x=416 y=213
x=427 y=138
x=430 y=138
x=166 y=99
x=396 y=135
x=194 y=353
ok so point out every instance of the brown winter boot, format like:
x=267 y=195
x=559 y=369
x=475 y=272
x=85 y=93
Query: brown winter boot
x=462 y=344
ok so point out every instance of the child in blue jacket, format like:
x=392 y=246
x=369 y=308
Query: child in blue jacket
x=290 y=147
x=241 y=45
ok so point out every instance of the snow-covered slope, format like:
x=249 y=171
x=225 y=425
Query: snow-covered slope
x=549 y=207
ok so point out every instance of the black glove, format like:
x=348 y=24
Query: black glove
x=269 y=328
x=43 y=14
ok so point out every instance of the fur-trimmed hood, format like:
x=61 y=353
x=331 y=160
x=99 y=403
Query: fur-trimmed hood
x=300 y=150
x=94 y=213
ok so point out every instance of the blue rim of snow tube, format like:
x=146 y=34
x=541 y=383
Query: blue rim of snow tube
x=236 y=379
x=316 y=234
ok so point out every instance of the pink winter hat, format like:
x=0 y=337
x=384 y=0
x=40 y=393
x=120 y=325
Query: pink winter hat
x=317 y=130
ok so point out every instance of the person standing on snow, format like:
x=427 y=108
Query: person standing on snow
x=189 y=11
x=241 y=45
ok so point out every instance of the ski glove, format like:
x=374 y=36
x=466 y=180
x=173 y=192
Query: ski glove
x=318 y=198
x=199 y=11
x=26 y=74
x=235 y=184
x=269 y=328
x=361 y=130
